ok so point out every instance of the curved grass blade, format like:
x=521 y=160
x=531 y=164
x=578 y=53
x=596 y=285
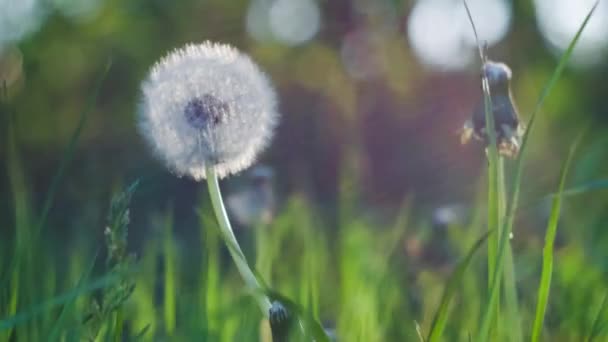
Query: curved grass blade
x=441 y=316
x=68 y=154
x=597 y=327
x=488 y=316
x=40 y=309
x=54 y=335
x=545 y=280
x=599 y=184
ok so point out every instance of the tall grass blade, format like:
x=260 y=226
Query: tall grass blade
x=54 y=335
x=599 y=184
x=597 y=327
x=50 y=304
x=170 y=276
x=489 y=316
x=19 y=268
x=545 y=280
x=440 y=319
x=68 y=154
x=494 y=166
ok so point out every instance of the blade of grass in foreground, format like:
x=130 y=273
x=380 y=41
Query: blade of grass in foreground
x=545 y=280
x=68 y=154
x=488 y=316
x=14 y=276
x=598 y=326
x=441 y=316
x=54 y=335
x=23 y=317
x=494 y=169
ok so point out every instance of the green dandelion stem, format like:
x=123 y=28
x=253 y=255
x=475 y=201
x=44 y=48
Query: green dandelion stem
x=233 y=246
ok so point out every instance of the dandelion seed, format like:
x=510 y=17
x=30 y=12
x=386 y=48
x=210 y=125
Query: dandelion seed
x=207 y=105
x=506 y=119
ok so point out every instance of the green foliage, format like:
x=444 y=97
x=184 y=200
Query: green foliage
x=120 y=264
x=545 y=282
x=511 y=205
x=455 y=280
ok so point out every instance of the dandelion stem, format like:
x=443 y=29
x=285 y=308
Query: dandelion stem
x=230 y=240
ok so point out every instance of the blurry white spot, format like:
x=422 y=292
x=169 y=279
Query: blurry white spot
x=19 y=18
x=441 y=35
x=449 y=214
x=492 y=19
x=559 y=20
x=294 y=22
x=257 y=21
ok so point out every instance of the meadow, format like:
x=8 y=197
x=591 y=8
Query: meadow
x=410 y=238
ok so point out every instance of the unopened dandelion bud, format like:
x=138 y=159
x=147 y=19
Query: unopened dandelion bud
x=506 y=119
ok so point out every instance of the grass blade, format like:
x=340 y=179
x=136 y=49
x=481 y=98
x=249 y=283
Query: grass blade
x=54 y=335
x=597 y=326
x=441 y=316
x=20 y=318
x=599 y=184
x=494 y=178
x=545 y=282
x=16 y=283
x=488 y=317
x=68 y=154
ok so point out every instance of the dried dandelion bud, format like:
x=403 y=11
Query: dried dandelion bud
x=207 y=105
x=506 y=119
x=281 y=322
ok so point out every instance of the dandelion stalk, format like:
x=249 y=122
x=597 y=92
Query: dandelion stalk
x=233 y=245
x=207 y=110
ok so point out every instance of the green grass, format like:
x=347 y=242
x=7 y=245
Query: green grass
x=352 y=272
x=511 y=206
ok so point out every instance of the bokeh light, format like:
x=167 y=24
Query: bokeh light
x=441 y=34
x=559 y=20
x=257 y=20
x=19 y=18
x=289 y=22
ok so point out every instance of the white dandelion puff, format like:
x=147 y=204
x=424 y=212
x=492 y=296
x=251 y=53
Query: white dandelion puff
x=207 y=105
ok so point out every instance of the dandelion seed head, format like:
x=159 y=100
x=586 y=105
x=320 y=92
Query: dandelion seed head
x=207 y=105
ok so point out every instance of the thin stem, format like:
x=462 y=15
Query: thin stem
x=511 y=305
x=233 y=245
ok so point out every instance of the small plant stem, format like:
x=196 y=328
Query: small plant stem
x=233 y=245
x=511 y=306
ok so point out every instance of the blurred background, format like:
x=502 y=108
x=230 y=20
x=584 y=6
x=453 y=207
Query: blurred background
x=383 y=85
x=373 y=94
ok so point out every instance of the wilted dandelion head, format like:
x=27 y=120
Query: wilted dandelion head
x=207 y=105
x=506 y=119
